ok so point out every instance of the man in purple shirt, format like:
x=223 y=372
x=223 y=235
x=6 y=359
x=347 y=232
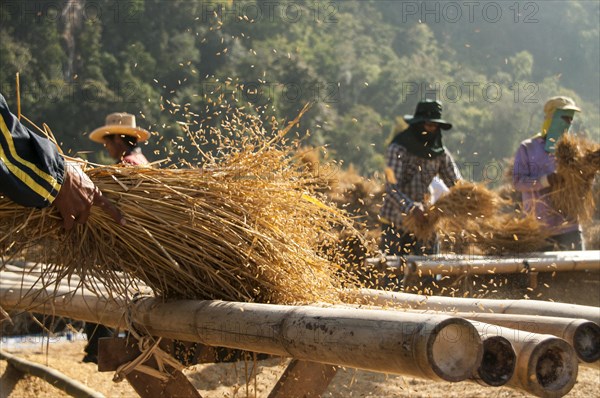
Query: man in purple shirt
x=534 y=174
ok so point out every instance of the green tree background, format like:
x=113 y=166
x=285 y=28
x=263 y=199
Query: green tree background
x=362 y=65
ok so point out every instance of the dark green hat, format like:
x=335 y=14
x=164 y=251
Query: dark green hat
x=428 y=111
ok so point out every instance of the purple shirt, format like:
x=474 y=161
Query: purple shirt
x=532 y=165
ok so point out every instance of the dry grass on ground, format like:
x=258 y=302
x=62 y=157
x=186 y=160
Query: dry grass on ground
x=229 y=380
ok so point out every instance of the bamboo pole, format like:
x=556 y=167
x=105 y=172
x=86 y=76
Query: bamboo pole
x=52 y=376
x=18 y=84
x=581 y=334
x=498 y=362
x=61 y=300
x=484 y=265
x=13 y=280
x=429 y=346
x=436 y=347
x=29 y=269
x=454 y=304
x=546 y=365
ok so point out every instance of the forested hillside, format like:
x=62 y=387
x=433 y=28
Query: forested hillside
x=362 y=65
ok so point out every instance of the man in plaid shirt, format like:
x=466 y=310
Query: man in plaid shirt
x=414 y=157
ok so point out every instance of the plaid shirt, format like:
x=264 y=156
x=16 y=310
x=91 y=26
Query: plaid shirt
x=413 y=176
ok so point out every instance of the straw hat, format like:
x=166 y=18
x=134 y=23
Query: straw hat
x=559 y=102
x=119 y=123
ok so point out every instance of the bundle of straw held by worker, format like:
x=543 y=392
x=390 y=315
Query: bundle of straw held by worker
x=577 y=163
x=463 y=204
x=476 y=213
x=244 y=227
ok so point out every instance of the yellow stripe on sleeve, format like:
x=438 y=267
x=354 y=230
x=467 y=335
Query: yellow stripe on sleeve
x=20 y=174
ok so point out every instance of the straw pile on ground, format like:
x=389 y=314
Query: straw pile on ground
x=577 y=162
x=245 y=227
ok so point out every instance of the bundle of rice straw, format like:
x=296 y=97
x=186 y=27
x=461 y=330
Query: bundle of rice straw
x=464 y=203
x=592 y=237
x=245 y=227
x=577 y=162
x=474 y=212
x=509 y=233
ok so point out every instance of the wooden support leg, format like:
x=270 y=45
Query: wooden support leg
x=147 y=386
x=113 y=352
x=533 y=279
x=467 y=285
x=303 y=379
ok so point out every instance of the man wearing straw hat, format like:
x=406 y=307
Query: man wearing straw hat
x=414 y=157
x=121 y=137
x=34 y=174
x=534 y=174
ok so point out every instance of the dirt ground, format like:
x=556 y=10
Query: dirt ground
x=237 y=379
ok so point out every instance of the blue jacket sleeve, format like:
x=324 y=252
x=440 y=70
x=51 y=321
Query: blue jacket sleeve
x=31 y=169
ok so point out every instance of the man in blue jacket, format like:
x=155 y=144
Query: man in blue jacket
x=34 y=174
